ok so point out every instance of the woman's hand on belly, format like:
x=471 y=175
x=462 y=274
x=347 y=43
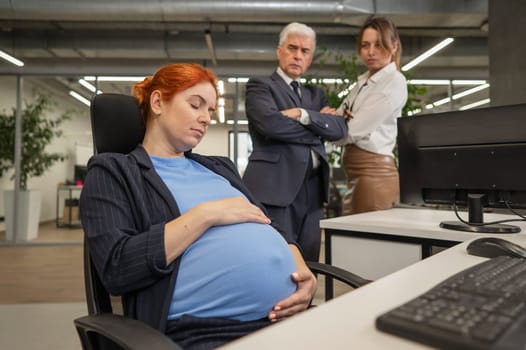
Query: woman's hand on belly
x=299 y=300
x=233 y=210
x=184 y=230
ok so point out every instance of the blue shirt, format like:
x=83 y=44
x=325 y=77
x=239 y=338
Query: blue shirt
x=234 y=271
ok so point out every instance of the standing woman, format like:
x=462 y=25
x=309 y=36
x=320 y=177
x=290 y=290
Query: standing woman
x=372 y=108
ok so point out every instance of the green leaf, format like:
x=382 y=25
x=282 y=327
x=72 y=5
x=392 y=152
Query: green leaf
x=38 y=131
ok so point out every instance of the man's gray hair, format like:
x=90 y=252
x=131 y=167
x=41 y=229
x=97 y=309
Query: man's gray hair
x=298 y=29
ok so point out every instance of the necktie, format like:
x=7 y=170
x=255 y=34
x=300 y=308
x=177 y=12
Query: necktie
x=296 y=88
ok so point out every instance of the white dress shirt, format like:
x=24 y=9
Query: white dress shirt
x=376 y=103
x=305 y=117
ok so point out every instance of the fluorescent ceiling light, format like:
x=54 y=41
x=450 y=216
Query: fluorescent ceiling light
x=302 y=80
x=439 y=103
x=114 y=78
x=475 y=104
x=332 y=81
x=221 y=109
x=470 y=91
x=11 y=59
x=429 y=82
x=414 y=111
x=89 y=86
x=220 y=87
x=469 y=82
x=427 y=54
x=457 y=96
x=79 y=97
x=445 y=82
x=237 y=80
x=346 y=91
x=240 y=122
x=221 y=114
x=326 y=81
x=430 y=106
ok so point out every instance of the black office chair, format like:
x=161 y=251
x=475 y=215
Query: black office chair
x=117 y=126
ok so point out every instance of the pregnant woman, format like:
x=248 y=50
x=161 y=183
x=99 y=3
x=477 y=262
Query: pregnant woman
x=178 y=235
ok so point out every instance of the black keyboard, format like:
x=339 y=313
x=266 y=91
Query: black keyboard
x=482 y=307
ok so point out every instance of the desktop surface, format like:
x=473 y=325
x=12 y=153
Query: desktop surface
x=411 y=222
x=348 y=321
x=399 y=236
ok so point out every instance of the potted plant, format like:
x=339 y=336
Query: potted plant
x=38 y=131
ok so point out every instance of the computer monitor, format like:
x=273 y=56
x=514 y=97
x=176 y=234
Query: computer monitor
x=473 y=158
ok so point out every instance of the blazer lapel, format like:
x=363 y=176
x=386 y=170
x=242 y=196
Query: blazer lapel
x=286 y=89
x=150 y=175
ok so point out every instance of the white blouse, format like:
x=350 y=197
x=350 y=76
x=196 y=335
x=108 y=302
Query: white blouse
x=376 y=103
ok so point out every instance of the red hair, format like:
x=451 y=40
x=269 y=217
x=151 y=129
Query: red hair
x=171 y=80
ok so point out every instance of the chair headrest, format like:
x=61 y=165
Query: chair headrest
x=116 y=123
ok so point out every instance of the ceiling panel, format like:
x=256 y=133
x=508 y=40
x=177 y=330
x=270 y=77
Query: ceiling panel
x=134 y=37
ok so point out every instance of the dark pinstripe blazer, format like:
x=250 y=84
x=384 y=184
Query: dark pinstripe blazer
x=282 y=146
x=124 y=205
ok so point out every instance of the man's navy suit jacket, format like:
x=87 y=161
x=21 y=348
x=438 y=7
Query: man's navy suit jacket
x=282 y=146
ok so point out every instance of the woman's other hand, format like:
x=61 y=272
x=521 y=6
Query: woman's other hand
x=300 y=300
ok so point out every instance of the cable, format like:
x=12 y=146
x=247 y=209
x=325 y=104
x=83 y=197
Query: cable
x=523 y=218
x=507 y=203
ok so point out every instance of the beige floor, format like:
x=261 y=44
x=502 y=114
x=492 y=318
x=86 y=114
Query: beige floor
x=43 y=326
x=42 y=290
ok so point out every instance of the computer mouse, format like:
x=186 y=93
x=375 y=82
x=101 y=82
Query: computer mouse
x=490 y=247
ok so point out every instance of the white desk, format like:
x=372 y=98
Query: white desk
x=378 y=243
x=348 y=322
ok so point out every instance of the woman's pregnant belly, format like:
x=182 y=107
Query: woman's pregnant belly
x=236 y=271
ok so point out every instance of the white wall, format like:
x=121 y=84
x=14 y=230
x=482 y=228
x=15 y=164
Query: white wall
x=75 y=142
x=215 y=142
x=75 y=130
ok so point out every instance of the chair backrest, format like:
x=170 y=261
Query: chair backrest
x=116 y=123
x=117 y=126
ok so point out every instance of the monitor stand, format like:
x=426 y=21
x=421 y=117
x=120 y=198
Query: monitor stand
x=476 y=221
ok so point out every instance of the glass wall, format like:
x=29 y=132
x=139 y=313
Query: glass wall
x=60 y=186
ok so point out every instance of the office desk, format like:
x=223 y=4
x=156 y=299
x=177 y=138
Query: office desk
x=378 y=243
x=70 y=194
x=348 y=321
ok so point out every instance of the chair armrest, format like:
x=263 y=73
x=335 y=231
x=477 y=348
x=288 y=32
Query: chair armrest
x=127 y=333
x=340 y=274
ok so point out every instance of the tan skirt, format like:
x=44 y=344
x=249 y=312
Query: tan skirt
x=372 y=181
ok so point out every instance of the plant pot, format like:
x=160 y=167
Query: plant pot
x=28 y=215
